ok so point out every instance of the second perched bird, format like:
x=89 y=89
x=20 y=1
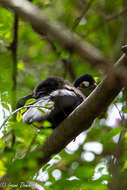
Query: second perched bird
x=85 y=83
x=60 y=96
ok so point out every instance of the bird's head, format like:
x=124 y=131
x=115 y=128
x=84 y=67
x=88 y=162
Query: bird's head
x=85 y=83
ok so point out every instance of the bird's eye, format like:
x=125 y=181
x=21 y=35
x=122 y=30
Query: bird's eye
x=86 y=83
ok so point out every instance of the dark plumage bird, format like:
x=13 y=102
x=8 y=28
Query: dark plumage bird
x=85 y=83
x=60 y=96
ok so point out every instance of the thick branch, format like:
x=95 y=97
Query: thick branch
x=55 y=32
x=82 y=118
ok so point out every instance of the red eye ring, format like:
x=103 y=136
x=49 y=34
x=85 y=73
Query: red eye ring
x=80 y=85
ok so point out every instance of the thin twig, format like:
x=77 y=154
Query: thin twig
x=108 y=18
x=13 y=48
x=118 y=111
x=112 y=16
x=85 y=10
x=68 y=62
x=17 y=110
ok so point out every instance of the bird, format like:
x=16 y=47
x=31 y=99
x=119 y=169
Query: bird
x=55 y=98
x=85 y=83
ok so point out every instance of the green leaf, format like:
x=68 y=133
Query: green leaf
x=57 y=158
x=5 y=105
x=23 y=110
x=112 y=133
x=2 y=168
x=97 y=79
x=20 y=65
x=64 y=54
x=36 y=123
x=124 y=109
x=100 y=169
x=46 y=166
x=46 y=124
x=19 y=117
x=41 y=110
x=125 y=165
x=50 y=106
x=19 y=114
x=30 y=101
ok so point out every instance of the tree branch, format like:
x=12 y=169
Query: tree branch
x=13 y=47
x=84 y=11
x=82 y=117
x=58 y=33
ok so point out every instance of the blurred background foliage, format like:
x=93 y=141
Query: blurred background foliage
x=97 y=159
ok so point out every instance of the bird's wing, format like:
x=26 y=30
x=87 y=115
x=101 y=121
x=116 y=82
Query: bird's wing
x=39 y=111
x=65 y=98
x=54 y=108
